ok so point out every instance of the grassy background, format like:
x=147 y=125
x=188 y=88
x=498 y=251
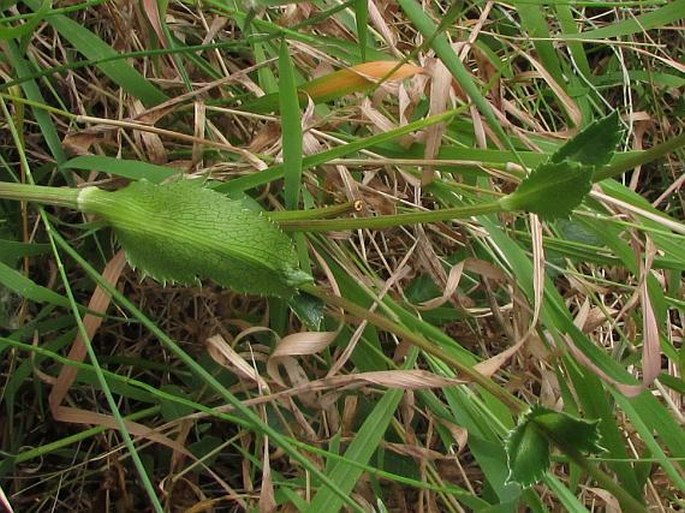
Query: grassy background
x=199 y=399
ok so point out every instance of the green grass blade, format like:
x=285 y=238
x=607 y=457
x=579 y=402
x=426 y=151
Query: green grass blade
x=669 y=13
x=361 y=9
x=131 y=169
x=11 y=250
x=291 y=129
x=28 y=27
x=33 y=93
x=362 y=447
x=277 y=172
x=648 y=417
x=28 y=289
x=534 y=21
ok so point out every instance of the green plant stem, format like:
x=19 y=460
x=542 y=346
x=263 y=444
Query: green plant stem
x=379 y=222
x=282 y=216
x=641 y=158
x=58 y=196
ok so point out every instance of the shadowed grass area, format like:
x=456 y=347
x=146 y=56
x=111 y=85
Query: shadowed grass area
x=387 y=140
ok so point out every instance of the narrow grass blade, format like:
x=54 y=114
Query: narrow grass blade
x=28 y=289
x=11 y=251
x=33 y=93
x=276 y=172
x=361 y=449
x=534 y=21
x=28 y=27
x=669 y=13
x=291 y=129
x=648 y=417
x=131 y=169
x=361 y=9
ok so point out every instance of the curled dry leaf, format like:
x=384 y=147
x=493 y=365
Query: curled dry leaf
x=154 y=146
x=306 y=343
x=267 y=498
x=358 y=78
x=79 y=143
x=485 y=269
x=413 y=451
x=402 y=379
x=625 y=389
x=651 y=351
x=611 y=503
x=492 y=365
x=459 y=433
x=151 y=10
x=223 y=354
x=384 y=28
x=297 y=344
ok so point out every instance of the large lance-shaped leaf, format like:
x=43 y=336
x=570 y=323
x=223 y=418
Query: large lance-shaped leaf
x=182 y=232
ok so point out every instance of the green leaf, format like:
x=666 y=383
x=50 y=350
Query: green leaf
x=29 y=26
x=552 y=190
x=182 y=232
x=11 y=251
x=528 y=444
x=170 y=410
x=570 y=432
x=309 y=309
x=527 y=453
x=291 y=127
x=25 y=287
x=132 y=169
x=595 y=145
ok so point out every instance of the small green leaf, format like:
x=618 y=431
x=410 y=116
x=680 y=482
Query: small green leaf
x=309 y=310
x=571 y=432
x=595 y=145
x=170 y=410
x=528 y=444
x=552 y=190
x=527 y=453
